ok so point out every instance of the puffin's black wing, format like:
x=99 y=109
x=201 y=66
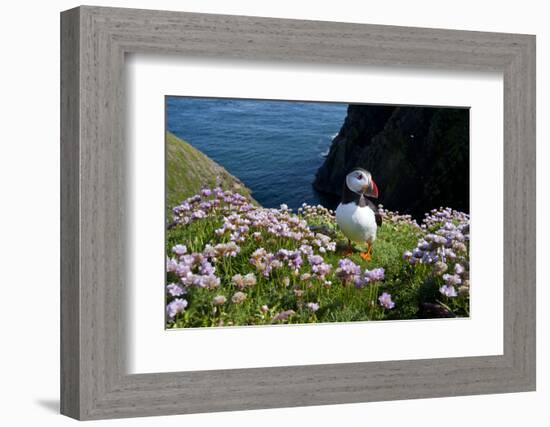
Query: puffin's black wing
x=377 y=216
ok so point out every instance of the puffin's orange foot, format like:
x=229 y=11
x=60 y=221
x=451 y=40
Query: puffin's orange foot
x=365 y=255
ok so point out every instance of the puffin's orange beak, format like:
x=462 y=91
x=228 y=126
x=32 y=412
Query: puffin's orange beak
x=372 y=190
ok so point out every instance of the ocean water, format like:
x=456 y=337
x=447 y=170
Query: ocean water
x=274 y=147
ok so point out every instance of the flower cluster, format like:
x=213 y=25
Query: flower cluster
x=323 y=242
x=241 y=282
x=349 y=272
x=448 y=290
x=209 y=201
x=192 y=270
x=283 y=315
x=445 y=247
x=385 y=301
x=238 y=297
x=436 y=217
x=175 y=290
x=369 y=276
x=312 y=306
x=242 y=222
x=315 y=212
x=318 y=266
x=235 y=226
x=175 y=307
x=221 y=250
x=292 y=258
x=395 y=218
x=219 y=300
x=265 y=261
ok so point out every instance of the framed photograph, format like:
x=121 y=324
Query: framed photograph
x=261 y=213
x=282 y=247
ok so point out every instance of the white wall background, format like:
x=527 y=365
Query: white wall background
x=29 y=213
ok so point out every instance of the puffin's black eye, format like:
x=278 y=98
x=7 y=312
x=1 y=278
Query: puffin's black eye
x=359 y=177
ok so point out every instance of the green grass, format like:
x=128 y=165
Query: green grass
x=188 y=170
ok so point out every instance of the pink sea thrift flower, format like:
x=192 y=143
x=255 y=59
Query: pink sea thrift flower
x=210 y=282
x=348 y=271
x=313 y=306
x=175 y=290
x=171 y=265
x=175 y=307
x=385 y=301
x=283 y=315
x=219 y=300
x=452 y=279
x=448 y=291
x=238 y=297
x=179 y=249
x=376 y=274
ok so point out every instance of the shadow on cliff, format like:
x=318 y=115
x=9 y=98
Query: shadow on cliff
x=418 y=156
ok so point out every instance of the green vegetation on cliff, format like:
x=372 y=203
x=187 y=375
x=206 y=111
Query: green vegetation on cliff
x=188 y=170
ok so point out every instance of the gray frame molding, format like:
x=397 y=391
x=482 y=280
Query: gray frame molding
x=94 y=41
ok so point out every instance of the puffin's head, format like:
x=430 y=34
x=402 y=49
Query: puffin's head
x=360 y=181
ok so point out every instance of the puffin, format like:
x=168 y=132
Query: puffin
x=356 y=215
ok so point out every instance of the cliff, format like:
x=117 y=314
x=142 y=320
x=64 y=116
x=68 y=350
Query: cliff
x=419 y=157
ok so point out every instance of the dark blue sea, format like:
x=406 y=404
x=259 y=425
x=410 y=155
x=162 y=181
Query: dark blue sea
x=274 y=147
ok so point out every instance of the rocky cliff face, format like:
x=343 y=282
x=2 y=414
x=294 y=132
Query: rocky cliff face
x=418 y=156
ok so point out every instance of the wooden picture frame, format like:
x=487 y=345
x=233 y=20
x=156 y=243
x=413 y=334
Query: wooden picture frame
x=94 y=41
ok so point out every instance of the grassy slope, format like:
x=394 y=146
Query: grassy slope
x=188 y=170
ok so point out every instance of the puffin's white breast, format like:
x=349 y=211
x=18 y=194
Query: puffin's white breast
x=357 y=223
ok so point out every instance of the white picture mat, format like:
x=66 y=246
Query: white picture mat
x=153 y=349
